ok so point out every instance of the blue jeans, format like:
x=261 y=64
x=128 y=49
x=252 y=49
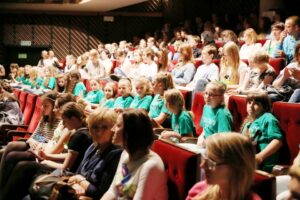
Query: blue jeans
x=295 y=98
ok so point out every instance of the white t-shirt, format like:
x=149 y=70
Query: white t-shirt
x=208 y=72
x=149 y=71
x=247 y=50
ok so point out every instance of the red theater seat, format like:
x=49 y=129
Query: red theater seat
x=197 y=109
x=264 y=185
x=289 y=121
x=17 y=92
x=277 y=63
x=22 y=100
x=237 y=105
x=25 y=131
x=181 y=167
x=29 y=108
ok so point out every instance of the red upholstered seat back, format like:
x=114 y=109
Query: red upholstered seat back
x=197 y=109
x=237 y=105
x=277 y=63
x=36 y=116
x=29 y=108
x=181 y=168
x=264 y=185
x=17 y=92
x=22 y=100
x=288 y=115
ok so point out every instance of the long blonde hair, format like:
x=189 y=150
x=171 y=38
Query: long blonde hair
x=231 y=64
x=237 y=152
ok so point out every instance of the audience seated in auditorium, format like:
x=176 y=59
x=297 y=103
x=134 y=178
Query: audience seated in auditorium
x=271 y=44
x=250 y=45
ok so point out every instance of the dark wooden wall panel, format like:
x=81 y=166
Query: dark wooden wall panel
x=61 y=39
x=9 y=34
x=24 y=32
x=79 y=36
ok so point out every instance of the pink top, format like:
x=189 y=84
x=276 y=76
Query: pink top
x=201 y=186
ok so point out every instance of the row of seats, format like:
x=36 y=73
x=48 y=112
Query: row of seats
x=182 y=170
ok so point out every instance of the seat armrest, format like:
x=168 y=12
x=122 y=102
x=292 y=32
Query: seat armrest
x=280 y=170
x=7 y=127
x=13 y=133
x=192 y=140
x=158 y=131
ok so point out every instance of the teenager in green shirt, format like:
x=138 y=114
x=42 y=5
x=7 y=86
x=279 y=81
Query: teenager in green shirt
x=263 y=128
x=181 y=120
x=216 y=118
x=144 y=97
x=158 y=111
x=74 y=85
x=49 y=81
x=96 y=94
x=125 y=98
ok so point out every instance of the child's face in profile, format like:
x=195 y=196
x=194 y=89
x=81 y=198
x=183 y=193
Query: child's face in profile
x=108 y=92
x=213 y=97
x=94 y=85
x=124 y=88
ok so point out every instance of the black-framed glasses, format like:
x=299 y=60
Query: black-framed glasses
x=209 y=163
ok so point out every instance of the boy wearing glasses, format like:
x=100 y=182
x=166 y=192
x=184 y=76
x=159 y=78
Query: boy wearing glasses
x=215 y=118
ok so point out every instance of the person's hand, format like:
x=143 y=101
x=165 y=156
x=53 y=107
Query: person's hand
x=78 y=189
x=297 y=160
x=201 y=142
x=287 y=72
x=280 y=53
x=76 y=179
x=166 y=134
x=259 y=158
x=283 y=34
x=42 y=155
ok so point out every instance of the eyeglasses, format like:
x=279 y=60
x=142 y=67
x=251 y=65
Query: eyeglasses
x=211 y=94
x=209 y=163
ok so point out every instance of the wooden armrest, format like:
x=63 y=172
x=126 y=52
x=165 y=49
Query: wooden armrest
x=7 y=127
x=13 y=133
x=280 y=170
x=192 y=140
x=159 y=130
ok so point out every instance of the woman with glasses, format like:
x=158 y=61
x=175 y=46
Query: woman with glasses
x=229 y=164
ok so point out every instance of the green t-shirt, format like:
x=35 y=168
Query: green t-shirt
x=94 y=96
x=51 y=83
x=157 y=106
x=182 y=123
x=216 y=120
x=36 y=84
x=143 y=103
x=263 y=130
x=123 y=102
x=78 y=88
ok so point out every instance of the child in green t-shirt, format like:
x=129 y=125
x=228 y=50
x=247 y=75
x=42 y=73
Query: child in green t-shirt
x=216 y=118
x=49 y=81
x=181 y=120
x=143 y=98
x=74 y=84
x=158 y=111
x=125 y=98
x=263 y=128
x=96 y=94
x=110 y=92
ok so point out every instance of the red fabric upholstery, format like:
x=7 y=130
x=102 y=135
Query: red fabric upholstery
x=264 y=185
x=197 y=109
x=277 y=63
x=181 y=168
x=262 y=41
x=238 y=108
x=30 y=104
x=219 y=44
x=187 y=95
x=17 y=92
x=198 y=62
x=289 y=121
x=86 y=82
x=22 y=100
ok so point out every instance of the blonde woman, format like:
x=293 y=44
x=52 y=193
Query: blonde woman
x=184 y=72
x=229 y=163
x=250 y=46
x=233 y=70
